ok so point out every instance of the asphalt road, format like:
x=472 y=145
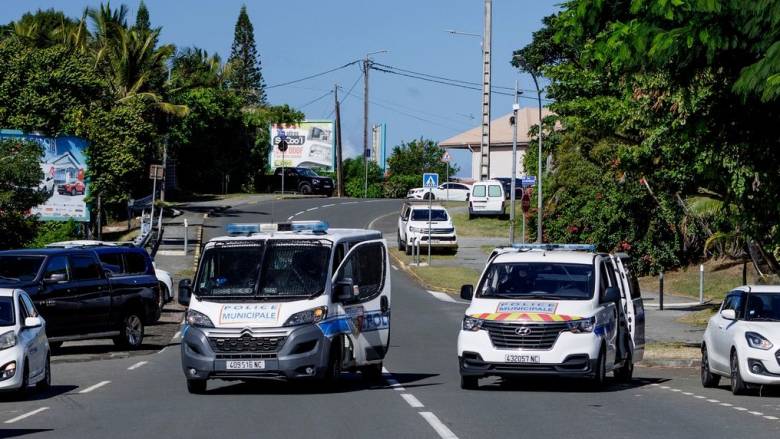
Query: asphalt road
x=145 y=396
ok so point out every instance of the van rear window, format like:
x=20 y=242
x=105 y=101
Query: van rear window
x=479 y=191
x=494 y=190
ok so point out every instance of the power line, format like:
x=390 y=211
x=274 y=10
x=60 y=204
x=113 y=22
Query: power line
x=349 y=93
x=313 y=76
x=414 y=117
x=443 y=78
x=315 y=100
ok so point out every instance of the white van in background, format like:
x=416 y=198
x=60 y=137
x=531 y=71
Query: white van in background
x=487 y=198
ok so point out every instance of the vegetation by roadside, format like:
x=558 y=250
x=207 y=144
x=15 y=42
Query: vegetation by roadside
x=488 y=227
x=720 y=277
x=671 y=351
x=442 y=275
x=699 y=318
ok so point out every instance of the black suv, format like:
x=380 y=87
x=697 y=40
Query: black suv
x=82 y=298
x=302 y=180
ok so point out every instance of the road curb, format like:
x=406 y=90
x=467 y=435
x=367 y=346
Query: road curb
x=671 y=362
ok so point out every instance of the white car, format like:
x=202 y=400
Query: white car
x=24 y=348
x=487 y=198
x=413 y=226
x=742 y=341
x=555 y=310
x=446 y=192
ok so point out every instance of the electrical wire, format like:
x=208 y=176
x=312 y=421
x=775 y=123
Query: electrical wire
x=349 y=93
x=316 y=75
x=315 y=100
x=414 y=117
x=446 y=79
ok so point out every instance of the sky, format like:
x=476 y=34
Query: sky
x=298 y=38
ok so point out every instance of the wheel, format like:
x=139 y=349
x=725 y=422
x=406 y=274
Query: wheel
x=738 y=386
x=708 y=379
x=401 y=246
x=305 y=189
x=333 y=372
x=625 y=373
x=196 y=387
x=408 y=249
x=25 y=387
x=372 y=372
x=469 y=382
x=73 y=192
x=45 y=383
x=600 y=374
x=429 y=196
x=132 y=332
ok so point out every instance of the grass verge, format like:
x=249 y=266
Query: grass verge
x=698 y=319
x=442 y=275
x=488 y=227
x=719 y=278
x=671 y=351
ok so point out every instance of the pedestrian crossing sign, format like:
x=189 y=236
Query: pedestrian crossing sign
x=430 y=180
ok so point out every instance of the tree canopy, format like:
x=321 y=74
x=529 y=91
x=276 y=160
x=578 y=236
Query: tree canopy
x=246 y=76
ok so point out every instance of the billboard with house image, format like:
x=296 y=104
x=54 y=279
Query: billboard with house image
x=64 y=168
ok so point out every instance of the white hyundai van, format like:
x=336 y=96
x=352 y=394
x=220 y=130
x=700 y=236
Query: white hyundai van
x=487 y=198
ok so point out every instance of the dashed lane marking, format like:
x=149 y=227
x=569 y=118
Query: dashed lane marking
x=771 y=418
x=411 y=400
x=444 y=297
x=137 y=365
x=723 y=404
x=392 y=382
x=26 y=415
x=714 y=401
x=95 y=386
x=313 y=208
x=289 y=218
x=441 y=429
x=756 y=413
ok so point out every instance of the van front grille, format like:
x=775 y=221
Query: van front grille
x=523 y=336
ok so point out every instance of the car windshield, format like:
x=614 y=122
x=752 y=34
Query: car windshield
x=19 y=268
x=764 y=307
x=536 y=280
x=7 y=311
x=422 y=215
x=276 y=269
x=307 y=172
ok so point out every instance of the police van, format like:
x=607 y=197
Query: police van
x=552 y=309
x=287 y=301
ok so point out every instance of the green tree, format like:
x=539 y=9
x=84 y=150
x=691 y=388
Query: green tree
x=20 y=175
x=409 y=161
x=246 y=77
x=355 y=178
x=142 y=21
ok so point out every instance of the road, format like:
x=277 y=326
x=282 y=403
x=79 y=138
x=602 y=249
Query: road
x=145 y=396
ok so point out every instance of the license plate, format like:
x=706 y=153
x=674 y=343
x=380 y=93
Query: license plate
x=515 y=358
x=435 y=241
x=245 y=365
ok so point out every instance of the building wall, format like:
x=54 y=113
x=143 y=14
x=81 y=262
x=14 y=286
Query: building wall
x=500 y=161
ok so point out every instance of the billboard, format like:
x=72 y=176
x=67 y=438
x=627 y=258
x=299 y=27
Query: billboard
x=64 y=168
x=310 y=144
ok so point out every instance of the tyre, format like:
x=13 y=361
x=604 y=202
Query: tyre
x=305 y=189
x=132 y=332
x=372 y=372
x=600 y=373
x=738 y=387
x=73 y=192
x=429 y=196
x=625 y=373
x=408 y=249
x=45 y=383
x=333 y=372
x=196 y=387
x=25 y=387
x=469 y=382
x=401 y=246
x=708 y=379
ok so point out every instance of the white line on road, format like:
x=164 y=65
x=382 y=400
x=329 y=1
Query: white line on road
x=742 y=409
x=441 y=429
x=444 y=297
x=327 y=205
x=137 y=365
x=715 y=401
x=392 y=382
x=313 y=208
x=289 y=218
x=687 y=393
x=771 y=418
x=700 y=397
x=96 y=386
x=300 y=213
x=394 y=267
x=756 y=413
x=26 y=415
x=177 y=335
x=411 y=400
x=373 y=221
x=725 y=404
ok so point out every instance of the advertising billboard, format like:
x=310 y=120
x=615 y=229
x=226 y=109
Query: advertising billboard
x=64 y=168
x=310 y=144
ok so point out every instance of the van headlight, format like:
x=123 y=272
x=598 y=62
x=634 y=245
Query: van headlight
x=472 y=324
x=581 y=326
x=758 y=341
x=313 y=315
x=198 y=319
x=7 y=340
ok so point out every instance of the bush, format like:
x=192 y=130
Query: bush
x=53 y=231
x=398 y=185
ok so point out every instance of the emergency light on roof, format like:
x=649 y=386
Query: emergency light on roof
x=294 y=226
x=551 y=247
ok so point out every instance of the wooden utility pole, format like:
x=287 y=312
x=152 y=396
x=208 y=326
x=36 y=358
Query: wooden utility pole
x=366 y=68
x=487 y=43
x=339 y=160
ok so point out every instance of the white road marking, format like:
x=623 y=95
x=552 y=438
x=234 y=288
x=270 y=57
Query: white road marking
x=756 y=413
x=742 y=409
x=771 y=418
x=663 y=387
x=441 y=429
x=392 y=382
x=96 y=386
x=177 y=335
x=137 y=365
x=26 y=415
x=290 y=217
x=313 y=208
x=700 y=397
x=675 y=390
x=687 y=393
x=725 y=404
x=715 y=401
x=394 y=267
x=373 y=221
x=444 y=297
x=327 y=205
x=411 y=400
x=300 y=213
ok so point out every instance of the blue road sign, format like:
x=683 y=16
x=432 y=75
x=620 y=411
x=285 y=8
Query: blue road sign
x=430 y=180
x=282 y=134
x=528 y=181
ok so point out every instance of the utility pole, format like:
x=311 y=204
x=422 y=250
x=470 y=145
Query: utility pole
x=515 y=107
x=165 y=167
x=339 y=162
x=366 y=68
x=539 y=205
x=487 y=43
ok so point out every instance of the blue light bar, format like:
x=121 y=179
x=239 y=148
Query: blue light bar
x=294 y=226
x=551 y=247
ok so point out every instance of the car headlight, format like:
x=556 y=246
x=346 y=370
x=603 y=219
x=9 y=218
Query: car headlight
x=198 y=319
x=758 y=341
x=313 y=315
x=7 y=340
x=581 y=326
x=417 y=229
x=472 y=324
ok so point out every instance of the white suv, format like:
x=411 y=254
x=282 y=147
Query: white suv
x=549 y=310
x=742 y=341
x=413 y=226
x=24 y=348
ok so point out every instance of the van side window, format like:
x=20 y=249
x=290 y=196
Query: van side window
x=338 y=256
x=494 y=190
x=366 y=268
x=479 y=190
x=136 y=263
x=112 y=261
x=604 y=280
x=84 y=267
x=57 y=265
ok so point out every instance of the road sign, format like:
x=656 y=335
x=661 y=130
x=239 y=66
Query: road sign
x=282 y=135
x=446 y=158
x=430 y=180
x=528 y=181
x=156 y=172
x=282 y=145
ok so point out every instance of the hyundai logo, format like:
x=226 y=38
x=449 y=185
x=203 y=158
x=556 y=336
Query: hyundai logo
x=523 y=330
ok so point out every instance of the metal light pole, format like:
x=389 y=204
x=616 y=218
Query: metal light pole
x=515 y=107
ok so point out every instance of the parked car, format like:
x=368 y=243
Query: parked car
x=413 y=225
x=47 y=185
x=73 y=188
x=487 y=198
x=506 y=183
x=742 y=340
x=79 y=298
x=24 y=349
x=302 y=180
x=446 y=191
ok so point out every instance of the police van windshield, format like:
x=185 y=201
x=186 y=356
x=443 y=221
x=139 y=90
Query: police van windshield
x=422 y=215
x=538 y=280
x=274 y=269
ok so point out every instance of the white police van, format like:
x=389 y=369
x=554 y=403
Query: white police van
x=287 y=301
x=552 y=309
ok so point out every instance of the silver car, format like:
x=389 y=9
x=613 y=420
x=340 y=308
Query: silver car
x=24 y=348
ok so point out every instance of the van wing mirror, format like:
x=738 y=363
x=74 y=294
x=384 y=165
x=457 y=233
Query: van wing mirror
x=729 y=314
x=185 y=292
x=467 y=292
x=344 y=291
x=611 y=295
